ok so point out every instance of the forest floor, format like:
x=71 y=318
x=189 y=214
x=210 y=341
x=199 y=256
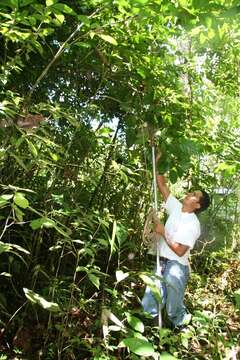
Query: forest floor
x=213 y=298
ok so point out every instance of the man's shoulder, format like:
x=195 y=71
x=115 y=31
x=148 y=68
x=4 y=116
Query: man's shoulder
x=172 y=203
x=195 y=223
x=172 y=199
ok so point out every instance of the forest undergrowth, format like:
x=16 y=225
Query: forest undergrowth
x=86 y=87
x=213 y=298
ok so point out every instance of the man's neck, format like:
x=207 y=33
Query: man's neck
x=186 y=209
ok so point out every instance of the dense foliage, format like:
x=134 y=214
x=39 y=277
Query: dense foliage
x=85 y=88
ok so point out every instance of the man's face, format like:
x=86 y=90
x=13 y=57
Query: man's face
x=192 y=200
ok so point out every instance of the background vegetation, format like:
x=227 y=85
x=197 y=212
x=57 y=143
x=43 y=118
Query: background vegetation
x=83 y=86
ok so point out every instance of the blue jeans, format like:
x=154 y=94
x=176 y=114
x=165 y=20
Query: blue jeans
x=172 y=288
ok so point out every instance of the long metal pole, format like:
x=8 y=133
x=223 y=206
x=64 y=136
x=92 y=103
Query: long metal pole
x=158 y=250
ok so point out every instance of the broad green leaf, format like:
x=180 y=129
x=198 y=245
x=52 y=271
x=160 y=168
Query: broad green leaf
x=105 y=131
x=19 y=213
x=173 y=176
x=45 y=222
x=37 y=299
x=167 y=356
x=138 y=346
x=228 y=169
x=135 y=323
x=55 y=157
x=11 y=3
x=63 y=8
x=50 y=2
x=47 y=31
x=60 y=18
x=152 y=284
x=82 y=268
x=6 y=196
x=120 y=275
x=108 y=38
x=84 y=19
x=3 y=202
x=23 y=3
x=36 y=224
x=82 y=44
x=94 y=279
x=48 y=223
x=4 y=247
x=20 y=200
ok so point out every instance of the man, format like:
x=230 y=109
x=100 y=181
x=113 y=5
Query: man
x=178 y=237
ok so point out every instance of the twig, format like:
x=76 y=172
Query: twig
x=6 y=226
x=56 y=56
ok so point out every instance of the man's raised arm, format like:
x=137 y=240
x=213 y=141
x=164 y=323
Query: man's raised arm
x=162 y=186
x=161 y=182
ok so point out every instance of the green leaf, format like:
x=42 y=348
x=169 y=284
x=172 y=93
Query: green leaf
x=173 y=176
x=84 y=19
x=60 y=18
x=108 y=38
x=47 y=31
x=37 y=299
x=3 y=201
x=6 y=196
x=138 y=346
x=94 y=279
x=135 y=323
x=23 y=3
x=167 y=356
x=32 y=148
x=42 y=222
x=11 y=3
x=36 y=224
x=63 y=8
x=20 y=200
x=19 y=213
x=152 y=284
x=48 y=223
x=50 y=2
x=82 y=268
x=4 y=247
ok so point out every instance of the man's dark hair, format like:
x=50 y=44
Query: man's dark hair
x=204 y=202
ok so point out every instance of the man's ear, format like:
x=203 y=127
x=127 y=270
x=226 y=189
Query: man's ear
x=198 y=205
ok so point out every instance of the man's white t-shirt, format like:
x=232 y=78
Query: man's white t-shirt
x=180 y=227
